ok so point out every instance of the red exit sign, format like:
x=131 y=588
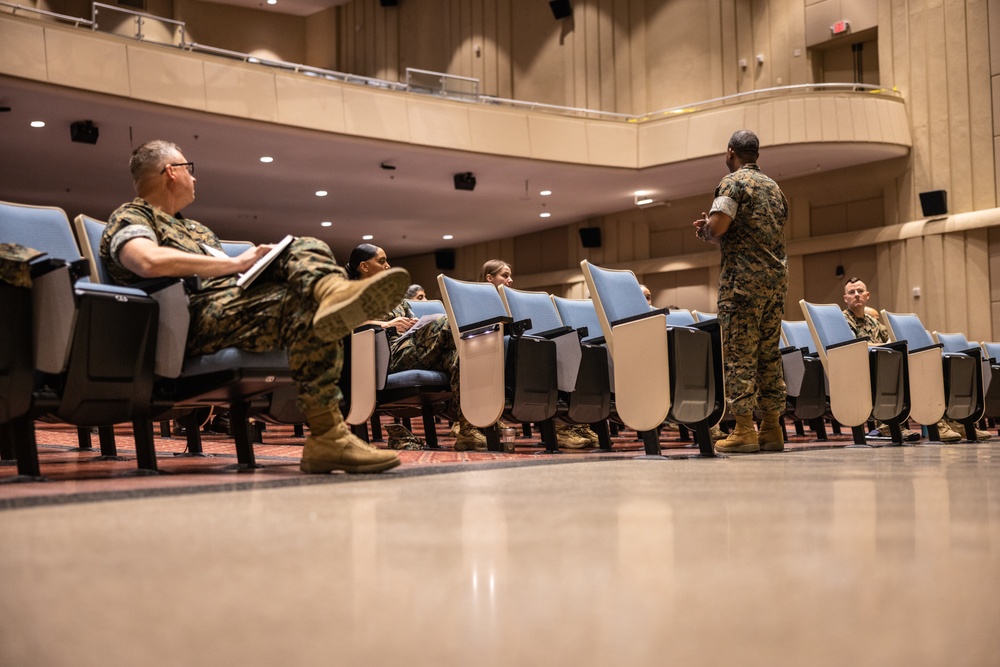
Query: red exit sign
x=840 y=27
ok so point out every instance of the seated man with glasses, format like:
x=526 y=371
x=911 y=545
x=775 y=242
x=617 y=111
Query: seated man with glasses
x=303 y=302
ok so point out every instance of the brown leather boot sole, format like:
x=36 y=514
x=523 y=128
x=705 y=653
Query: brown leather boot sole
x=321 y=466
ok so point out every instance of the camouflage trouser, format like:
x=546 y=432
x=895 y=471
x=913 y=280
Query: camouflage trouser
x=276 y=312
x=15 y=264
x=751 y=330
x=430 y=348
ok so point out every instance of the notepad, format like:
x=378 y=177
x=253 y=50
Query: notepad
x=251 y=274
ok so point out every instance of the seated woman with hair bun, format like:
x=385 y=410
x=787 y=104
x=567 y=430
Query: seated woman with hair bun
x=431 y=347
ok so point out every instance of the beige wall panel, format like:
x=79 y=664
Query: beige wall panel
x=887 y=122
x=436 y=124
x=813 y=120
x=240 y=90
x=751 y=118
x=935 y=286
x=874 y=123
x=322 y=43
x=996 y=164
x=916 y=53
x=859 y=120
x=956 y=285
x=780 y=130
x=819 y=17
x=682 y=72
x=914 y=275
x=958 y=57
x=709 y=132
x=563 y=139
x=305 y=102
x=22 y=49
x=865 y=214
x=612 y=144
x=376 y=114
x=828 y=220
x=831 y=118
x=664 y=141
x=980 y=104
x=765 y=123
x=845 y=119
x=937 y=98
x=157 y=75
x=499 y=132
x=82 y=60
x=797 y=123
x=246 y=30
x=977 y=269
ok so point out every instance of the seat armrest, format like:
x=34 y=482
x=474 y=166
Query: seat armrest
x=553 y=333
x=641 y=316
x=853 y=341
x=485 y=325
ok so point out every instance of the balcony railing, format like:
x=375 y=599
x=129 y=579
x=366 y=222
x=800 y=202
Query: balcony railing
x=158 y=30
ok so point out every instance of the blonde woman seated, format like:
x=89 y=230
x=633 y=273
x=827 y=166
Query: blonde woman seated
x=569 y=436
x=431 y=347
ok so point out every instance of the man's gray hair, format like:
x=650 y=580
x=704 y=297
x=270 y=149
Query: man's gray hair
x=745 y=144
x=149 y=158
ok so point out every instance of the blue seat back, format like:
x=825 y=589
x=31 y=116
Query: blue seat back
x=44 y=228
x=536 y=306
x=830 y=323
x=428 y=307
x=579 y=313
x=619 y=292
x=473 y=302
x=954 y=342
x=797 y=334
x=992 y=351
x=908 y=327
x=680 y=318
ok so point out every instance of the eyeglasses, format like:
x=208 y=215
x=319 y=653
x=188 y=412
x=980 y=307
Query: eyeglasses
x=188 y=165
x=854 y=292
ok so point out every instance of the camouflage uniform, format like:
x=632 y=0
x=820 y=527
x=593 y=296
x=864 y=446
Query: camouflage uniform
x=276 y=311
x=867 y=327
x=752 y=289
x=15 y=264
x=431 y=348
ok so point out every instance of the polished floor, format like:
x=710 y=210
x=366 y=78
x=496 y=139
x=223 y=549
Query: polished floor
x=839 y=556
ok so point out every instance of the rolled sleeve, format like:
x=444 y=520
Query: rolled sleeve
x=126 y=234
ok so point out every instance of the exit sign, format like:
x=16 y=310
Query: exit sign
x=840 y=27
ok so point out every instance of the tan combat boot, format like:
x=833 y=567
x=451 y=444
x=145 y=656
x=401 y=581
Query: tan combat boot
x=771 y=436
x=743 y=439
x=469 y=437
x=344 y=304
x=331 y=446
x=567 y=437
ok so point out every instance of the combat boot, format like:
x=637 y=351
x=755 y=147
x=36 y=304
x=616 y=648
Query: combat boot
x=331 y=446
x=771 y=435
x=469 y=437
x=584 y=431
x=743 y=439
x=568 y=438
x=946 y=433
x=343 y=304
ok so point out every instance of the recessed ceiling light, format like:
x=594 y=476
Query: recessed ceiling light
x=367 y=237
x=38 y=123
x=267 y=159
x=545 y=193
x=272 y=2
x=544 y=215
x=321 y=193
x=326 y=223
x=447 y=237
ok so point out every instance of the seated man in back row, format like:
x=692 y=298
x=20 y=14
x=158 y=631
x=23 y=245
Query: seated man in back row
x=865 y=325
x=303 y=302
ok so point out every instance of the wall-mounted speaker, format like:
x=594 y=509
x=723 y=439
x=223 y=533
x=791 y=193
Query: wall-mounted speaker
x=590 y=237
x=561 y=9
x=934 y=203
x=388 y=3
x=444 y=260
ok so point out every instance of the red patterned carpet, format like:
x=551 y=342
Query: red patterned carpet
x=72 y=475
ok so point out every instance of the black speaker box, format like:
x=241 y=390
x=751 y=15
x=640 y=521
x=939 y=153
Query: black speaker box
x=934 y=203
x=561 y=9
x=590 y=237
x=388 y=3
x=444 y=260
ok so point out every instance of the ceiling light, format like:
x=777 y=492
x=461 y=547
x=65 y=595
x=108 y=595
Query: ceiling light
x=321 y=193
x=267 y=159
x=38 y=123
x=367 y=237
x=326 y=223
x=545 y=193
x=272 y=2
x=544 y=215
x=447 y=237
x=642 y=200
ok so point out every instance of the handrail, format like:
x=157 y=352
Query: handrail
x=474 y=97
x=62 y=17
x=95 y=8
